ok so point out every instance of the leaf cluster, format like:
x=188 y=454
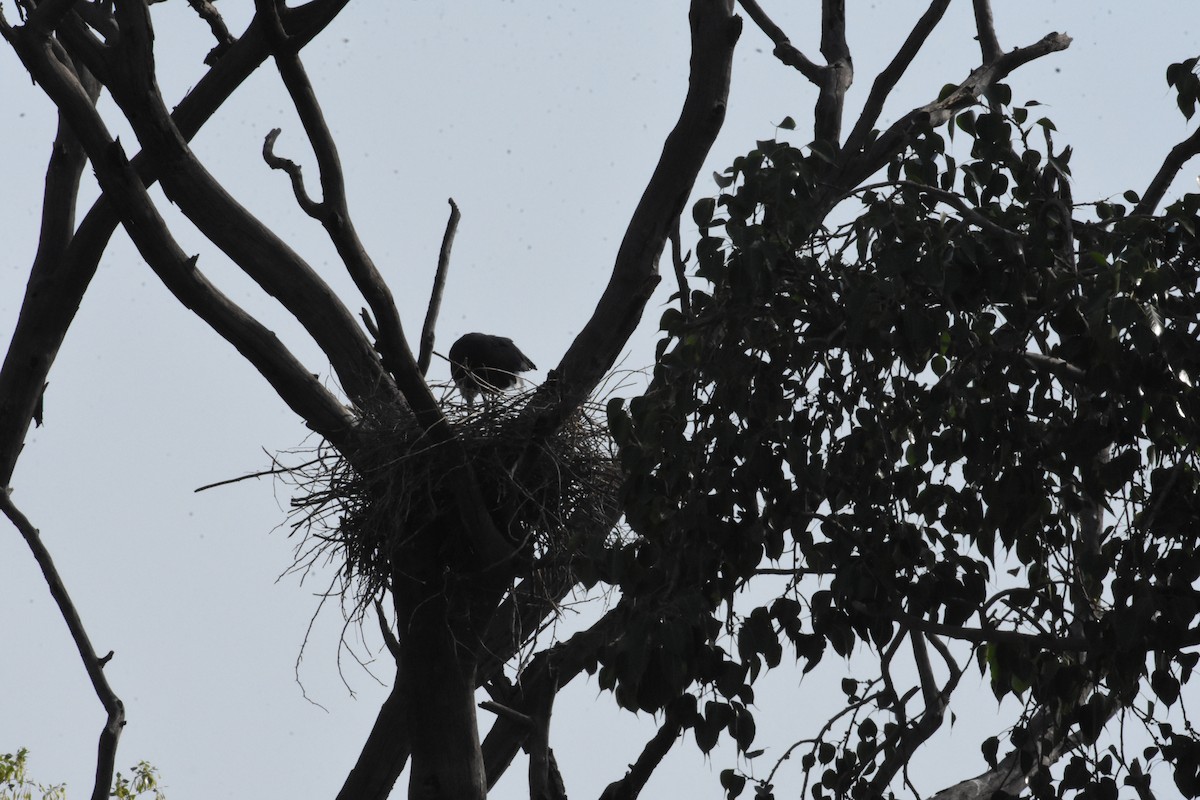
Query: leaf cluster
x=968 y=409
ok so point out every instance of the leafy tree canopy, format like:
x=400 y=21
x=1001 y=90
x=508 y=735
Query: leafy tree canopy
x=952 y=406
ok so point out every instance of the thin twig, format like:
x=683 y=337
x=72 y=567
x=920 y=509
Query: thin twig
x=389 y=638
x=968 y=213
x=107 y=750
x=986 y=636
x=262 y=474
x=439 y=284
x=680 y=263
x=310 y=206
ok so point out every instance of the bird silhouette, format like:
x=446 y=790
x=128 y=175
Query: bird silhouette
x=484 y=364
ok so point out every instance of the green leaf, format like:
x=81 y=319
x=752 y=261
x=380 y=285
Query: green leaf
x=732 y=783
x=999 y=93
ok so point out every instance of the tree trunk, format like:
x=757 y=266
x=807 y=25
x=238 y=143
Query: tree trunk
x=437 y=684
x=384 y=755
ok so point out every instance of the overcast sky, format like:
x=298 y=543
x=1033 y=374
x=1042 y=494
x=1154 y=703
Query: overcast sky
x=543 y=121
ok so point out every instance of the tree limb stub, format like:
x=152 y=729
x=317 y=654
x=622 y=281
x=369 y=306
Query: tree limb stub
x=293 y=171
x=439 y=285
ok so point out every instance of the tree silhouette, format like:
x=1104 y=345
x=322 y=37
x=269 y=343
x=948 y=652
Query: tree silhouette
x=835 y=408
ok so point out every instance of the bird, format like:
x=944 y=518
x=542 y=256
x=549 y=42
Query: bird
x=482 y=363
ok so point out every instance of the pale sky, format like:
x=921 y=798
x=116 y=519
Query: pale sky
x=543 y=121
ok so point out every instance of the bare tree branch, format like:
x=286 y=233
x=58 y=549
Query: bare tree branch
x=1180 y=154
x=969 y=214
x=630 y=786
x=128 y=72
x=25 y=364
x=987 y=635
x=910 y=738
x=860 y=166
x=785 y=51
x=298 y=387
x=385 y=752
x=334 y=214
x=886 y=81
x=111 y=733
x=715 y=30
x=216 y=23
x=309 y=206
x=989 y=45
x=560 y=664
x=54 y=293
x=545 y=782
x=46 y=16
x=439 y=285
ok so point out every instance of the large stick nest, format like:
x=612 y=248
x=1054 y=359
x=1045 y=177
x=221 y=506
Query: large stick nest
x=364 y=516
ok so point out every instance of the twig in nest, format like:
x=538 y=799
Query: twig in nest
x=367 y=517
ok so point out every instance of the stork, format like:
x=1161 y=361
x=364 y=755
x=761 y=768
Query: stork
x=484 y=364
